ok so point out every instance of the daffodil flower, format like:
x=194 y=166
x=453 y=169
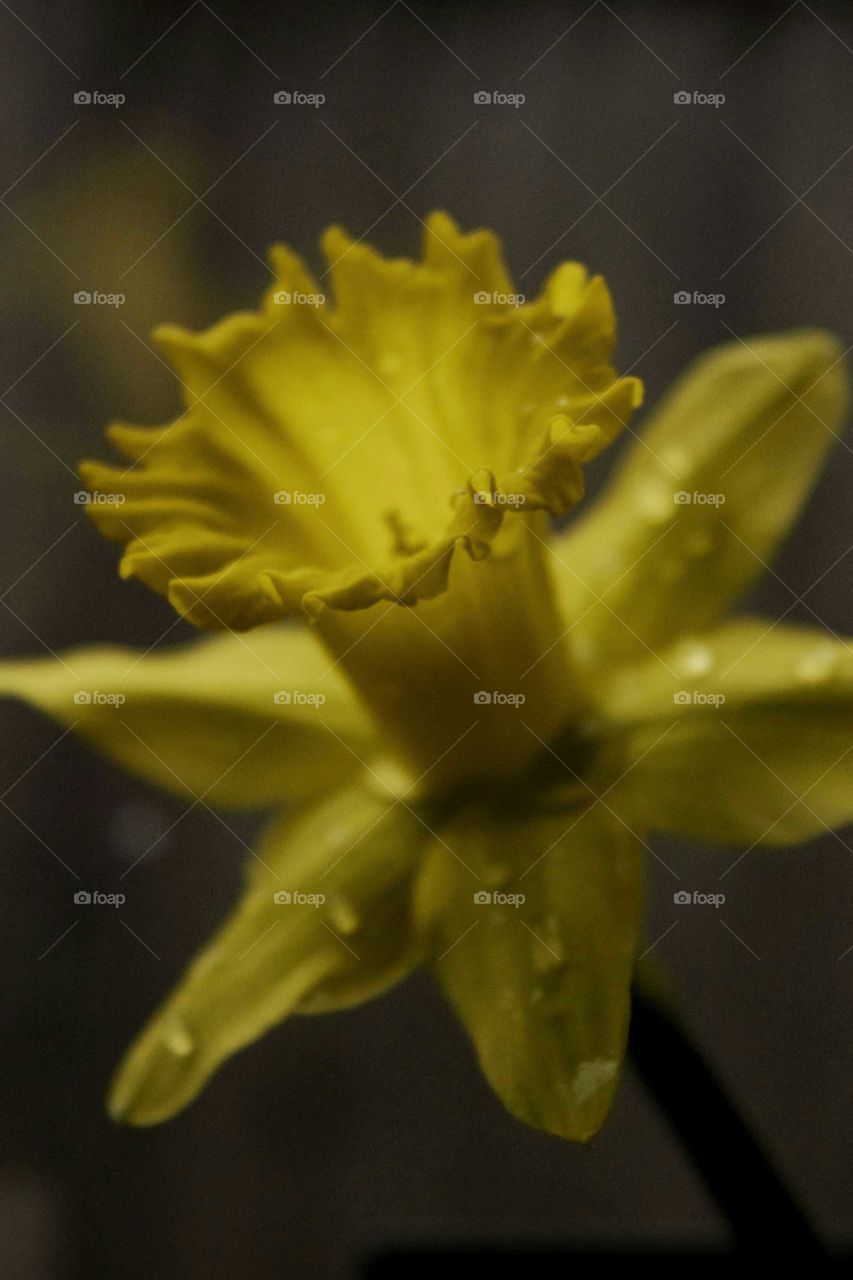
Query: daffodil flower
x=471 y=722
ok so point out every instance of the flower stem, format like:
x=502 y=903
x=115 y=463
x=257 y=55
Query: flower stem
x=760 y=1210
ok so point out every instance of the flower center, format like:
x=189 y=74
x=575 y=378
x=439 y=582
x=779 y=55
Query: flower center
x=470 y=686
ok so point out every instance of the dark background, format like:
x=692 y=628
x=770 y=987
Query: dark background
x=335 y=1138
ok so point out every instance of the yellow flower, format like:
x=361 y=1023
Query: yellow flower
x=472 y=722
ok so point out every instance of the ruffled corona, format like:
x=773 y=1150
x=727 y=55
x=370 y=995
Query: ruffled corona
x=313 y=436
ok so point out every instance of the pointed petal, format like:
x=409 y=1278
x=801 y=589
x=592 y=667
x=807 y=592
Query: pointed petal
x=274 y=957
x=704 y=497
x=543 y=986
x=744 y=736
x=244 y=721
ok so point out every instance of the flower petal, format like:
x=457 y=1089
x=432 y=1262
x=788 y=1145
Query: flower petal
x=235 y=719
x=273 y=958
x=325 y=456
x=543 y=987
x=702 y=500
x=745 y=735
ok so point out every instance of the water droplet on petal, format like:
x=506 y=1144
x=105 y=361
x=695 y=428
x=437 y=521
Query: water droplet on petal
x=676 y=459
x=592 y=1076
x=177 y=1038
x=818 y=664
x=694 y=659
x=655 y=502
x=344 y=917
x=548 y=952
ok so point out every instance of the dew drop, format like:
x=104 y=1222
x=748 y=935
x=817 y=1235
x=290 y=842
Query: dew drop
x=675 y=459
x=592 y=1076
x=655 y=502
x=548 y=953
x=695 y=660
x=345 y=919
x=818 y=664
x=177 y=1038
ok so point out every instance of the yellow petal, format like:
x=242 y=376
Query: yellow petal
x=244 y=721
x=329 y=924
x=743 y=735
x=703 y=498
x=313 y=436
x=534 y=941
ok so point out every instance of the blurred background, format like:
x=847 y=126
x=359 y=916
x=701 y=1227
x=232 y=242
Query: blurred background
x=335 y=1139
